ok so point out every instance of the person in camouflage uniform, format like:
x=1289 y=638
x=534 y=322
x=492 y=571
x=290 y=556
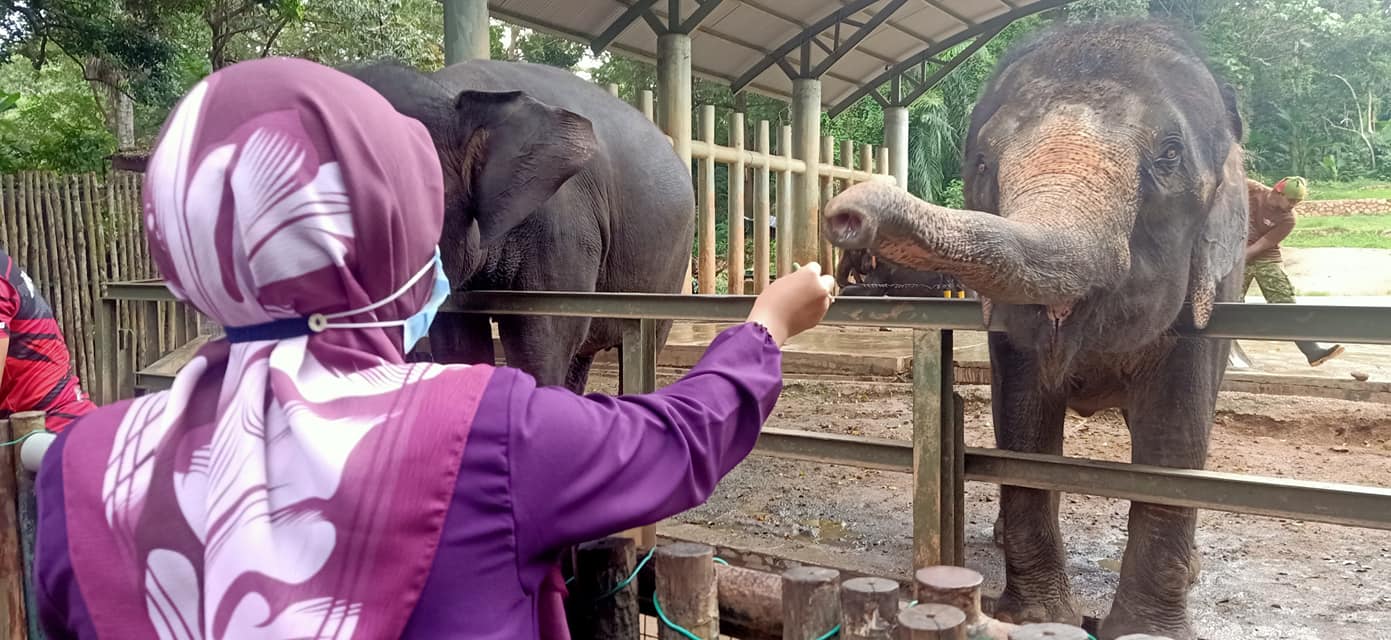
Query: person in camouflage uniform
x=1271 y=220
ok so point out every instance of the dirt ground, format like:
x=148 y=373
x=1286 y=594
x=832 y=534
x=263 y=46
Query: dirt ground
x=1262 y=577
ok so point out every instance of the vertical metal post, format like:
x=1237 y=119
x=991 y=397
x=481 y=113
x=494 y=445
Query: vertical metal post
x=935 y=449
x=806 y=186
x=466 y=31
x=896 y=139
x=637 y=373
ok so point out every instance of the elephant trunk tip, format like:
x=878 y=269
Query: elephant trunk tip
x=850 y=219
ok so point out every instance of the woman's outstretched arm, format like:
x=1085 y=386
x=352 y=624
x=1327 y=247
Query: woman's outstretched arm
x=585 y=467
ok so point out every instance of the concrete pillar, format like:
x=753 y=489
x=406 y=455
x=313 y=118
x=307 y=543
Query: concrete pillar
x=465 y=31
x=806 y=187
x=896 y=139
x=674 y=99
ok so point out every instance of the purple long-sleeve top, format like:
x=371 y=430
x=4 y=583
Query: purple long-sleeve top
x=543 y=469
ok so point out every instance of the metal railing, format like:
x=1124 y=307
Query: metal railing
x=937 y=456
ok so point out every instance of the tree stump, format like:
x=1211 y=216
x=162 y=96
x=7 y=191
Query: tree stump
x=810 y=602
x=1048 y=631
x=596 y=610
x=868 y=609
x=687 y=591
x=932 y=622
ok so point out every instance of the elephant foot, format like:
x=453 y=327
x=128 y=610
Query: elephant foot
x=1124 y=620
x=1014 y=609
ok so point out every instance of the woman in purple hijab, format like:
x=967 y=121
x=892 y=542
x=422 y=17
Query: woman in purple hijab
x=300 y=479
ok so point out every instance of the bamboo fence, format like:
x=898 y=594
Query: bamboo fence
x=74 y=233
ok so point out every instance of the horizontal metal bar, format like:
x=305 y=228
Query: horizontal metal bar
x=1279 y=322
x=1333 y=503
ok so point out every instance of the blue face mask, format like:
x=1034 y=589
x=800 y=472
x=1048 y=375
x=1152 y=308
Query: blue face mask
x=418 y=325
x=415 y=327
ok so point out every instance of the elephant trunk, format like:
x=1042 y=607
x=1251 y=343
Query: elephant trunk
x=1045 y=255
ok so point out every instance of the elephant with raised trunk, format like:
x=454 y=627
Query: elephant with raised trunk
x=1105 y=188
x=551 y=184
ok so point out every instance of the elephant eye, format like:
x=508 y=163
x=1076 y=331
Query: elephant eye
x=981 y=166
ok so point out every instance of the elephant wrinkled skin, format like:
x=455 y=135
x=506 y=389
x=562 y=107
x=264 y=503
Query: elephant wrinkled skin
x=551 y=184
x=1105 y=187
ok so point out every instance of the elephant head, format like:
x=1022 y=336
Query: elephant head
x=1104 y=187
x=503 y=154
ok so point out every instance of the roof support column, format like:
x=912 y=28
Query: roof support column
x=674 y=100
x=466 y=31
x=896 y=139
x=806 y=186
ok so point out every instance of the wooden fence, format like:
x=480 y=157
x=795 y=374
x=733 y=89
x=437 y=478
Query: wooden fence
x=73 y=234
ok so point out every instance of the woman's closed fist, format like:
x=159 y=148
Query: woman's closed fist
x=793 y=303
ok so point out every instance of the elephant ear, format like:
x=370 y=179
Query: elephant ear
x=1221 y=243
x=516 y=154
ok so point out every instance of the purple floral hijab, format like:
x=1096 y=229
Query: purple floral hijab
x=283 y=488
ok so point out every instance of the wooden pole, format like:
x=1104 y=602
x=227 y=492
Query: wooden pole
x=884 y=164
x=1048 y=631
x=762 y=211
x=785 y=205
x=810 y=602
x=13 y=622
x=595 y=609
x=734 y=216
x=86 y=241
x=705 y=220
x=21 y=425
x=7 y=209
x=647 y=104
x=750 y=600
x=20 y=249
x=612 y=89
x=932 y=622
x=686 y=590
x=867 y=158
x=71 y=275
x=828 y=191
x=868 y=609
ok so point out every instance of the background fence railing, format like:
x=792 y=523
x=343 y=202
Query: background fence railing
x=937 y=456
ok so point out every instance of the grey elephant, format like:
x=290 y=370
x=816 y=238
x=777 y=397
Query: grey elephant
x=1105 y=188
x=551 y=184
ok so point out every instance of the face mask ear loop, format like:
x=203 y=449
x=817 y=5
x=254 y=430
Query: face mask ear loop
x=318 y=322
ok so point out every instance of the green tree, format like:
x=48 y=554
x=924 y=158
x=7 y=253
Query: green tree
x=53 y=122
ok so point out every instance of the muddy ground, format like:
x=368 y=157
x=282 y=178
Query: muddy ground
x=1262 y=577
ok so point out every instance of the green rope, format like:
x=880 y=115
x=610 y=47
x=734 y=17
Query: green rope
x=661 y=615
x=830 y=634
x=20 y=439
x=719 y=560
x=628 y=580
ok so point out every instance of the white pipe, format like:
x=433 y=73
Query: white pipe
x=33 y=449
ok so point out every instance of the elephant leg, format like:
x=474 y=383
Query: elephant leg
x=543 y=346
x=1170 y=419
x=461 y=338
x=578 y=376
x=1028 y=419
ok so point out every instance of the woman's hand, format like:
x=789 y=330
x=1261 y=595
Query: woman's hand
x=794 y=303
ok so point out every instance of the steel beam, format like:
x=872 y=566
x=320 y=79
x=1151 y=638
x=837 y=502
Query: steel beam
x=841 y=15
x=1334 y=503
x=1234 y=320
x=616 y=28
x=994 y=24
x=946 y=67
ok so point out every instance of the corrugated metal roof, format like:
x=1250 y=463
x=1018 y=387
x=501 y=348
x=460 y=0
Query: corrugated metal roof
x=740 y=41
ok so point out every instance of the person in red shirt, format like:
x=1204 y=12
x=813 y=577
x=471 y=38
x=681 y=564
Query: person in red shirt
x=36 y=372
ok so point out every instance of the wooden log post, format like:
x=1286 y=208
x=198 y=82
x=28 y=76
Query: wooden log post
x=734 y=215
x=1048 y=631
x=13 y=623
x=762 y=243
x=955 y=586
x=932 y=622
x=828 y=191
x=810 y=602
x=647 y=104
x=705 y=218
x=612 y=89
x=784 y=224
x=21 y=425
x=868 y=609
x=598 y=607
x=867 y=158
x=687 y=591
